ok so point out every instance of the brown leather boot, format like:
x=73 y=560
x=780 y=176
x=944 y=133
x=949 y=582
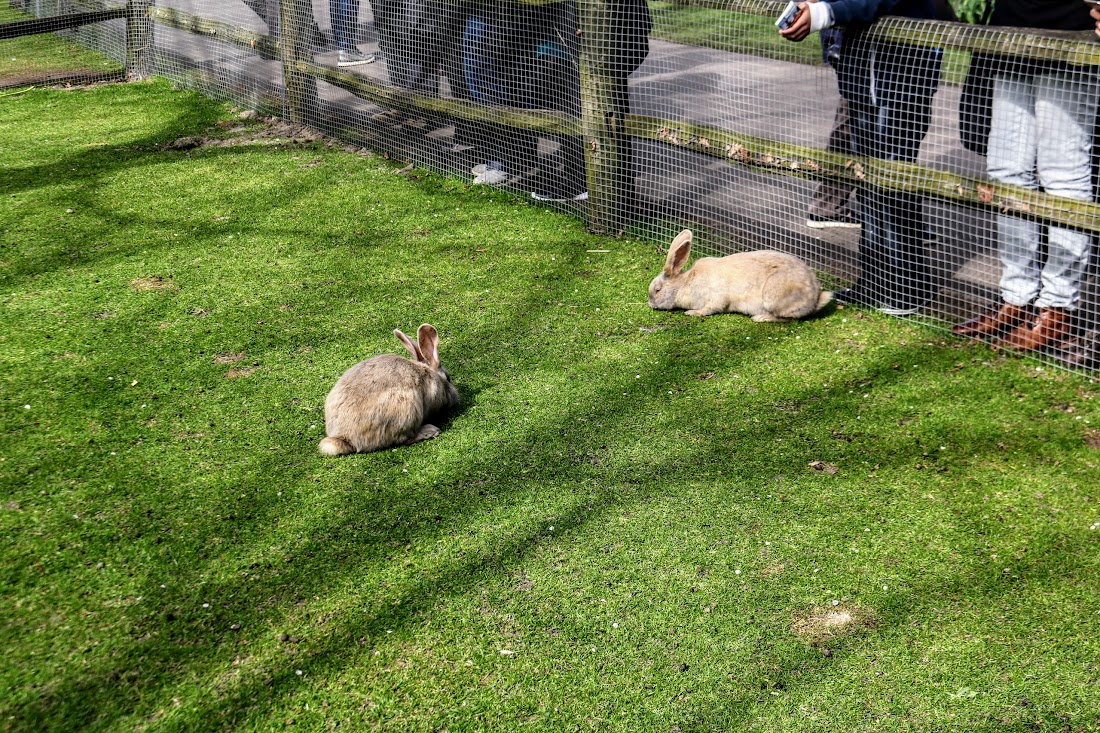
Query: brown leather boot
x=994 y=323
x=1050 y=328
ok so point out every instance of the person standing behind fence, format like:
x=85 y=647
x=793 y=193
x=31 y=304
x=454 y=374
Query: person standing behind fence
x=829 y=206
x=344 y=15
x=497 y=44
x=889 y=88
x=1040 y=137
x=557 y=84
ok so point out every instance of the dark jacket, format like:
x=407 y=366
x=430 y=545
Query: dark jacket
x=631 y=24
x=877 y=72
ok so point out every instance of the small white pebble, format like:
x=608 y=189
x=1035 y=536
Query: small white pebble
x=206 y=605
x=836 y=602
x=551 y=528
x=110 y=378
x=145 y=405
x=886 y=587
x=298 y=672
x=113 y=453
x=507 y=652
x=404 y=470
x=26 y=407
x=76 y=516
x=162 y=585
x=614 y=626
x=737 y=571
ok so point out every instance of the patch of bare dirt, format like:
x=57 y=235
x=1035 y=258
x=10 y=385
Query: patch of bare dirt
x=228 y=358
x=153 y=282
x=238 y=373
x=251 y=128
x=819 y=626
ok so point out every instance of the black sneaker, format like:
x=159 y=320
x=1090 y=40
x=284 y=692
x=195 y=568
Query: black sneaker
x=840 y=221
x=855 y=296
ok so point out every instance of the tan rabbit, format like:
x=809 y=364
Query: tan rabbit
x=383 y=401
x=767 y=285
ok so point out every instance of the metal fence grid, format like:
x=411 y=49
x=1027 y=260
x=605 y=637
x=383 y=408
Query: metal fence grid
x=932 y=169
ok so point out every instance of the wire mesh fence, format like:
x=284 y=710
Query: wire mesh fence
x=928 y=168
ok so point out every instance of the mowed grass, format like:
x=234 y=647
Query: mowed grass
x=620 y=528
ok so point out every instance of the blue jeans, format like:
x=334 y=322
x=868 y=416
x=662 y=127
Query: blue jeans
x=489 y=81
x=1041 y=137
x=344 y=15
x=894 y=268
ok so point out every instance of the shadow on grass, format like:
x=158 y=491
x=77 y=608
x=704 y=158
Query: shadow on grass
x=173 y=649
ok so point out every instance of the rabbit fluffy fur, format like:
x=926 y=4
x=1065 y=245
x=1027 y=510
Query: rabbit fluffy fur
x=767 y=285
x=383 y=401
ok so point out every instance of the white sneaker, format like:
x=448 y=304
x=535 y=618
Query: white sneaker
x=559 y=197
x=491 y=177
x=893 y=310
x=354 y=58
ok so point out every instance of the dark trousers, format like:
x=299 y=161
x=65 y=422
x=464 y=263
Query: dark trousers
x=894 y=268
x=831 y=198
x=489 y=79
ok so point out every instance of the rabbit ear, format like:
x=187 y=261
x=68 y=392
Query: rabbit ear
x=429 y=345
x=409 y=344
x=678 y=253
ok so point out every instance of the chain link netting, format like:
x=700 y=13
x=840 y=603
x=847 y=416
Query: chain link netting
x=931 y=169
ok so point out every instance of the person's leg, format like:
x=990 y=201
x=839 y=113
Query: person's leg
x=560 y=82
x=909 y=276
x=1013 y=141
x=1065 y=110
x=868 y=288
x=340 y=15
x=829 y=205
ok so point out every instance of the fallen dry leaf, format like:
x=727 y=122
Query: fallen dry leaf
x=823 y=466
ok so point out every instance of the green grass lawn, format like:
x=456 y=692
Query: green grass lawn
x=620 y=528
x=44 y=54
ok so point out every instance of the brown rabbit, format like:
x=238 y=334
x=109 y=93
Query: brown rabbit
x=767 y=285
x=383 y=401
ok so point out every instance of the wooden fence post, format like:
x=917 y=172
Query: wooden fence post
x=604 y=106
x=296 y=44
x=139 y=39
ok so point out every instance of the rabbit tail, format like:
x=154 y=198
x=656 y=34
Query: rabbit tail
x=335 y=447
x=824 y=299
